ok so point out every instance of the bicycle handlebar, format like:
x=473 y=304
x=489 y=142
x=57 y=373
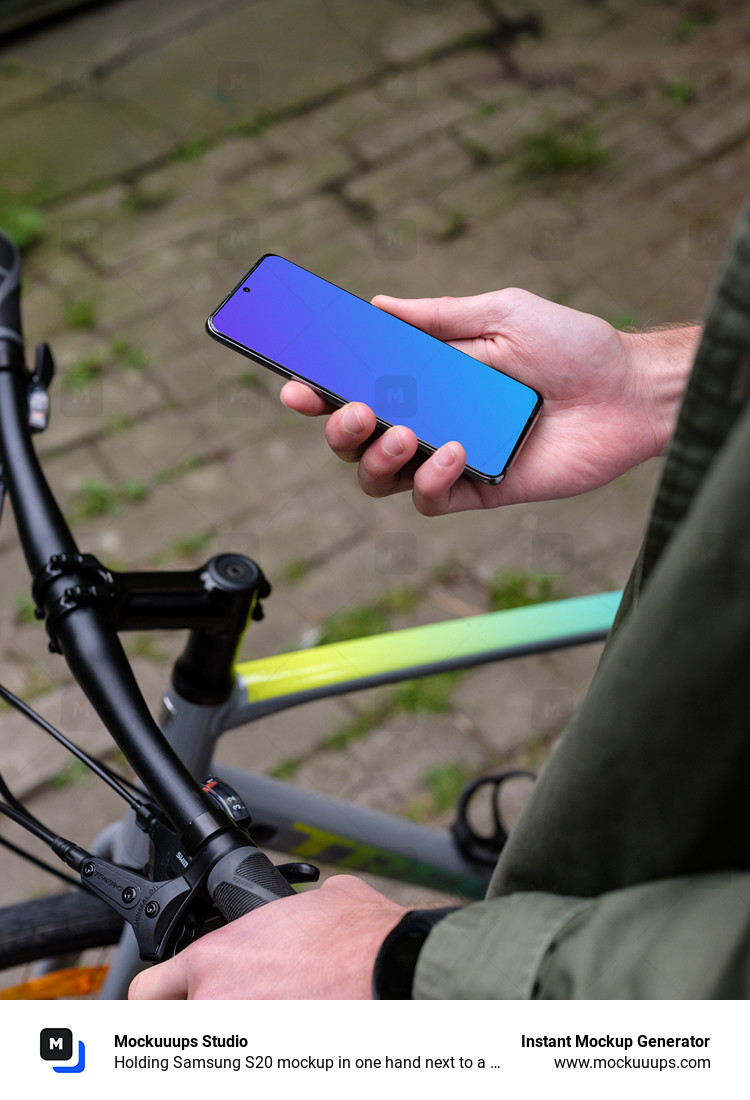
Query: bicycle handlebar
x=88 y=639
x=10 y=293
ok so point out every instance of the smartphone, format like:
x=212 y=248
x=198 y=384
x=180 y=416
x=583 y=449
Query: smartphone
x=303 y=327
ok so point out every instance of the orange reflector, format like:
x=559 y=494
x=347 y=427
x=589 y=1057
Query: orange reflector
x=77 y=981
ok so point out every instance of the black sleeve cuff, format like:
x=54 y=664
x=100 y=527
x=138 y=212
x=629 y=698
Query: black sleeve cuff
x=393 y=975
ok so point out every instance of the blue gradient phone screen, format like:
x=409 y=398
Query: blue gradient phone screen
x=342 y=344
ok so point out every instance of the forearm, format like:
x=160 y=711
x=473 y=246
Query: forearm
x=661 y=361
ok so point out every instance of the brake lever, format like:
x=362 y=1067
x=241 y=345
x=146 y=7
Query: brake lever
x=160 y=913
x=164 y=915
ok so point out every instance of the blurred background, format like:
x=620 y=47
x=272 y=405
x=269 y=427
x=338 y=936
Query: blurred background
x=595 y=153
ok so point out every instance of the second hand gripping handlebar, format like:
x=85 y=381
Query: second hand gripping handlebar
x=224 y=862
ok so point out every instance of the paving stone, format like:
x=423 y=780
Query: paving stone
x=636 y=272
x=252 y=59
x=182 y=439
x=132 y=236
x=361 y=772
x=66 y=274
x=401 y=109
x=604 y=49
x=81 y=415
x=482 y=74
x=717 y=122
x=521 y=702
x=185 y=364
x=20 y=84
x=101 y=33
x=285 y=180
x=43 y=313
x=31 y=760
x=192 y=505
x=280 y=738
x=495 y=132
x=427 y=27
x=80 y=225
x=425 y=172
x=298 y=231
x=59 y=147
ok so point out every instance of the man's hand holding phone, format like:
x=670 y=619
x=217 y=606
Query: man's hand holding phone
x=305 y=328
x=610 y=401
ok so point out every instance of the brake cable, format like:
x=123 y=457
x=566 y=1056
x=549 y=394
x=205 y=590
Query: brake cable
x=91 y=762
x=23 y=853
x=14 y=809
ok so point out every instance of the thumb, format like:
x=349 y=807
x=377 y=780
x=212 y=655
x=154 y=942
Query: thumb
x=448 y=318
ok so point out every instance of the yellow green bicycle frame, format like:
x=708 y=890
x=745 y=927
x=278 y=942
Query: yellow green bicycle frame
x=274 y=683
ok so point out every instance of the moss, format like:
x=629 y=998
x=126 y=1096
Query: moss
x=187 y=546
x=558 y=150
x=23 y=224
x=97 y=497
x=81 y=374
x=456 y=225
x=367 y=619
x=510 y=589
x=429 y=694
x=286 y=769
x=80 y=313
x=191 y=149
x=25 y=608
x=129 y=355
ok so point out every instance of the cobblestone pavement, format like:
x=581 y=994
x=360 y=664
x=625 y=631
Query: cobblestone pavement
x=596 y=154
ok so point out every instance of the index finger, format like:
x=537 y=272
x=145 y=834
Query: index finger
x=302 y=399
x=167 y=981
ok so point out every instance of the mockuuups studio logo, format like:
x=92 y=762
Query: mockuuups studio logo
x=56 y=1045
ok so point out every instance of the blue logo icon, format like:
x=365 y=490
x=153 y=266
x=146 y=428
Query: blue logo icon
x=56 y=1045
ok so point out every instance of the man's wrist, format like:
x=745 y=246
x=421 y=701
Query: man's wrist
x=662 y=359
x=396 y=961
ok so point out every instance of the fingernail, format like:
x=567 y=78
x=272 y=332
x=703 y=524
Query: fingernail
x=445 y=456
x=351 y=421
x=392 y=444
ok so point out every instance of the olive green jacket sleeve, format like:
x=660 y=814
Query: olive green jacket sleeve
x=656 y=940
x=628 y=874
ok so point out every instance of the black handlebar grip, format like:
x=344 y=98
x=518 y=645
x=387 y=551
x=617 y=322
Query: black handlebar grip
x=10 y=292
x=244 y=880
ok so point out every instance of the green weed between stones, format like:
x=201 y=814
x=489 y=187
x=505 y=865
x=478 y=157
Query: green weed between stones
x=510 y=589
x=443 y=783
x=186 y=546
x=680 y=92
x=127 y=354
x=80 y=313
x=374 y=618
x=426 y=695
x=558 y=150
x=25 y=608
x=23 y=224
x=81 y=374
x=97 y=497
x=456 y=226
